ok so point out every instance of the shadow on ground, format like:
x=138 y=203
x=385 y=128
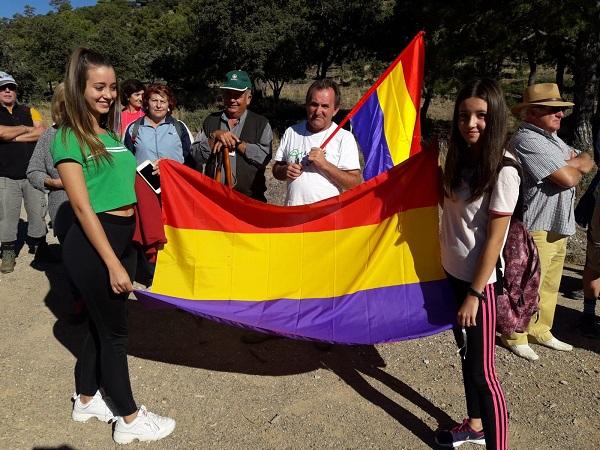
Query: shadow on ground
x=566 y=328
x=176 y=337
x=570 y=284
x=194 y=342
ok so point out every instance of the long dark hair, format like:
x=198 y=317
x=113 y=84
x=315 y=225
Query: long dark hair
x=486 y=163
x=78 y=117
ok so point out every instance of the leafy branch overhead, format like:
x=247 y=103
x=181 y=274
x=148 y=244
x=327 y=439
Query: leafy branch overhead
x=191 y=43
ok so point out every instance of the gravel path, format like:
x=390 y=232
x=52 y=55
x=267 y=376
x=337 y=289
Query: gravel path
x=281 y=393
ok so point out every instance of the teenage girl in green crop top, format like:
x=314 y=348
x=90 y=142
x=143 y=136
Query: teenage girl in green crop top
x=98 y=174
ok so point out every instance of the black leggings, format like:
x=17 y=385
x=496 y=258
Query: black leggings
x=103 y=358
x=483 y=393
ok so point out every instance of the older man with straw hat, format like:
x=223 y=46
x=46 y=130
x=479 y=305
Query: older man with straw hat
x=551 y=169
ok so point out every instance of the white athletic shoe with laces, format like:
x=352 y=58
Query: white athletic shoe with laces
x=146 y=426
x=97 y=408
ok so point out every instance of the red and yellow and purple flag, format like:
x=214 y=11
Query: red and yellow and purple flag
x=385 y=121
x=360 y=268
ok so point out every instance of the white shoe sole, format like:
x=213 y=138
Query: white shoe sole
x=83 y=417
x=127 y=438
x=562 y=347
x=476 y=441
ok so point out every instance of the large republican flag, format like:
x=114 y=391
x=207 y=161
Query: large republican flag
x=360 y=268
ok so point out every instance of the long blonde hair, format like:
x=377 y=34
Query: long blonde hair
x=78 y=117
x=57 y=107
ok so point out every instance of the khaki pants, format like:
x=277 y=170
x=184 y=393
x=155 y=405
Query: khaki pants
x=552 y=248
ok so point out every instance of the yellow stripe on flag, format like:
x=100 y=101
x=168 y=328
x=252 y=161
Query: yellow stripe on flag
x=267 y=266
x=399 y=114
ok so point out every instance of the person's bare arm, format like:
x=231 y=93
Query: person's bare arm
x=33 y=133
x=570 y=175
x=71 y=175
x=497 y=226
x=9 y=133
x=344 y=179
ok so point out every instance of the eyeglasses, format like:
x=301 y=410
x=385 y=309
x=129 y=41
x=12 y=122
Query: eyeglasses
x=10 y=87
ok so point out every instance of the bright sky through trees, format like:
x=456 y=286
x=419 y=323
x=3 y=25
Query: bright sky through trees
x=10 y=7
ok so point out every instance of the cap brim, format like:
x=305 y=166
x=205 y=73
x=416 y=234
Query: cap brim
x=2 y=83
x=230 y=88
x=517 y=108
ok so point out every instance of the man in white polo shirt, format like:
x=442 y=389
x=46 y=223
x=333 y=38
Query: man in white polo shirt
x=314 y=173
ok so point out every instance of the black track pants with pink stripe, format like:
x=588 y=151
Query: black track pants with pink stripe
x=483 y=392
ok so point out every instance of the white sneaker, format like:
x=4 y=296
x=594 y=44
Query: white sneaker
x=146 y=426
x=524 y=351
x=97 y=408
x=555 y=344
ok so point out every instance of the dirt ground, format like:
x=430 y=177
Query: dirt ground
x=281 y=393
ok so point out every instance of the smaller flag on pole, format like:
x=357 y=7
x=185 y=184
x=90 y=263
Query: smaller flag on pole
x=385 y=120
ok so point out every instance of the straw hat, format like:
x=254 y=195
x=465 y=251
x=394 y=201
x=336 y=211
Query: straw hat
x=543 y=94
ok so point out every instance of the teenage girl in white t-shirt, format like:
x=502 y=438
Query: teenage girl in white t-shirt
x=480 y=195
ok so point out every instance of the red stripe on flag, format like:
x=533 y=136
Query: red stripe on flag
x=193 y=201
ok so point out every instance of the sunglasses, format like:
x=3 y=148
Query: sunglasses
x=10 y=87
x=552 y=109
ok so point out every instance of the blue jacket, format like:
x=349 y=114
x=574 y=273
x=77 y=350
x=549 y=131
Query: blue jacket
x=160 y=142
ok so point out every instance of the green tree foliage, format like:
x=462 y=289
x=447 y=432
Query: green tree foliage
x=191 y=43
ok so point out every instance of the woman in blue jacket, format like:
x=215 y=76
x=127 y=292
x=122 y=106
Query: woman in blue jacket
x=158 y=134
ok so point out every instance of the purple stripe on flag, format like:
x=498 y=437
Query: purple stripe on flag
x=367 y=317
x=368 y=128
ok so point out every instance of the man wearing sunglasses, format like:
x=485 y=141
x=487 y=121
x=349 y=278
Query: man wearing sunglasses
x=551 y=170
x=20 y=128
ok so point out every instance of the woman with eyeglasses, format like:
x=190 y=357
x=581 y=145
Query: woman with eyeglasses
x=481 y=189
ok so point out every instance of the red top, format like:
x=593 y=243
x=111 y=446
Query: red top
x=129 y=117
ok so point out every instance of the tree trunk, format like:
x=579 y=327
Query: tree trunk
x=426 y=126
x=276 y=86
x=427 y=97
x=586 y=84
x=260 y=88
x=532 y=60
x=561 y=66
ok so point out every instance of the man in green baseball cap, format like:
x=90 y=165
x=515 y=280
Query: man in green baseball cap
x=245 y=135
x=237 y=80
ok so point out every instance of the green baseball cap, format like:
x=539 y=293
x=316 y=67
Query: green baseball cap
x=237 y=80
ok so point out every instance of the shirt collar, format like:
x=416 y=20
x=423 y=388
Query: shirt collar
x=241 y=120
x=532 y=127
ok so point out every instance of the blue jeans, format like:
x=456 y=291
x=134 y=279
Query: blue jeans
x=12 y=194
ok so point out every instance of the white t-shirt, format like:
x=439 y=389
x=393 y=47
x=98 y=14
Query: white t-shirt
x=465 y=225
x=311 y=186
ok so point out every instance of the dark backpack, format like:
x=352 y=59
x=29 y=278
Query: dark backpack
x=517 y=295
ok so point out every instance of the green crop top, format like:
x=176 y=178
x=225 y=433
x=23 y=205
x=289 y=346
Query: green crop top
x=110 y=185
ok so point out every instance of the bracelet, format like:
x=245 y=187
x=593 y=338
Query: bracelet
x=474 y=293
